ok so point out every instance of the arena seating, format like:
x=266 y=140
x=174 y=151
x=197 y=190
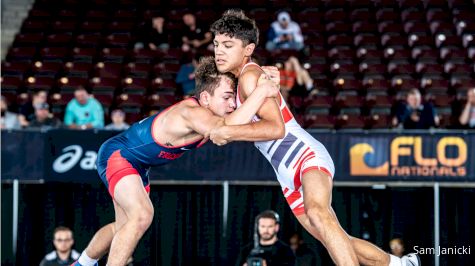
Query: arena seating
x=363 y=55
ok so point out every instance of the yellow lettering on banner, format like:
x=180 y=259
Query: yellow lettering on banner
x=452 y=141
x=397 y=150
x=418 y=157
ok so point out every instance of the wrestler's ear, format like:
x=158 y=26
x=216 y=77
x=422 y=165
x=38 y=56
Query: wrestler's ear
x=249 y=49
x=205 y=98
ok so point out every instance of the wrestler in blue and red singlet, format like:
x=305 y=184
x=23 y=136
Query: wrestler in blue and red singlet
x=134 y=151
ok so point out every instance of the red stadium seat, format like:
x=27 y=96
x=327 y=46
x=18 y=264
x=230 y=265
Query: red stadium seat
x=104 y=84
x=349 y=121
x=437 y=14
x=46 y=69
x=78 y=69
x=59 y=40
x=435 y=85
x=11 y=83
x=417 y=41
x=28 y=39
x=72 y=83
x=15 y=69
x=61 y=26
x=362 y=14
x=135 y=85
x=137 y=70
x=417 y=28
x=104 y=97
x=91 y=26
x=335 y=15
x=378 y=101
x=129 y=100
x=412 y=14
x=24 y=54
x=425 y=55
x=387 y=14
x=40 y=83
x=319 y=121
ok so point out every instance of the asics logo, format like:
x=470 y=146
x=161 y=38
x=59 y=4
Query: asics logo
x=72 y=156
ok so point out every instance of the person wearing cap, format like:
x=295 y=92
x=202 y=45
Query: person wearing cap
x=284 y=34
x=118 y=121
x=43 y=118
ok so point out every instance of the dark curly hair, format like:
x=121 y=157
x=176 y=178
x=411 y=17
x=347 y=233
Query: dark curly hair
x=207 y=76
x=234 y=23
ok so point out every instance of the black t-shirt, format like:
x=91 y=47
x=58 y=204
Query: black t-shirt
x=197 y=34
x=158 y=38
x=278 y=254
x=425 y=112
x=50 y=122
x=27 y=111
x=52 y=259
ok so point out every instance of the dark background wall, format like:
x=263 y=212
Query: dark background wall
x=188 y=225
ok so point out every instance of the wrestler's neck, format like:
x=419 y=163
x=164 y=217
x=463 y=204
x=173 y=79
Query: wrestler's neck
x=237 y=72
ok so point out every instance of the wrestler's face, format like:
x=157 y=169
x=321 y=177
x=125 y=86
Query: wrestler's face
x=268 y=228
x=222 y=102
x=230 y=53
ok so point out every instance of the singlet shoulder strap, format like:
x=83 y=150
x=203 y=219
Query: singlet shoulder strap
x=248 y=64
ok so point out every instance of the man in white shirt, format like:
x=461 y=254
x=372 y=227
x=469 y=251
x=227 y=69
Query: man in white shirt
x=284 y=34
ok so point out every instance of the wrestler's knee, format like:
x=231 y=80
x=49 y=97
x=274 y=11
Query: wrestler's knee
x=142 y=218
x=319 y=216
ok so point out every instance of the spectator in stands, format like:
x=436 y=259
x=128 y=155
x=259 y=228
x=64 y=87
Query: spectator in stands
x=186 y=76
x=295 y=79
x=159 y=36
x=284 y=34
x=414 y=114
x=8 y=120
x=63 y=254
x=27 y=110
x=83 y=112
x=118 y=121
x=43 y=118
x=272 y=250
x=195 y=36
x=467 y=118
x=396 y=245
x=304 y=256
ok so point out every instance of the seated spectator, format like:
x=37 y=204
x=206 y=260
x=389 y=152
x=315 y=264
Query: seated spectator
x=43 y=118
x=63 y=254
x=194 y=36
x=396 y=245
x=303 y=254
x=415 y=115
x=186 y=76
x=284 y=34
x=270 y=250
x=157 y=36
x=467 y=118
x=83 y=112
x=8 y=120
x=118 y=121
x=295 y=79
x=27 y=110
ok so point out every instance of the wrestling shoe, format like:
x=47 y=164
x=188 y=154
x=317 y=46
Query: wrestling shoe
x=411 y=259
